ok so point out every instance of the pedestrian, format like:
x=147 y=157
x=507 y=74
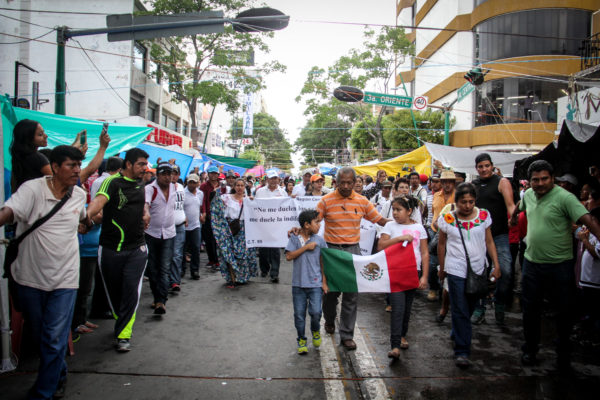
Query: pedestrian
x=308 y=281
x=45 y=273
x=238 y=263
x=270 y=258
x=454 y=249
x=404 y=229
x=358 y=186
x=342 y=211
x=495 y=194
x=208 y=188
x=26 y=161
x=289 y=187
x=192 y=206
x=416 y=190
x=299 y=190
x=160 y=234
x=180 y=223
x=122 y=254
x=317 y=182
x=548 y=268
x=383 y=197
x=589 y=278
x=375 y=186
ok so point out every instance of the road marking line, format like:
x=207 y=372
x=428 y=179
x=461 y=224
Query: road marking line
x=368 y=369
x=331 y=368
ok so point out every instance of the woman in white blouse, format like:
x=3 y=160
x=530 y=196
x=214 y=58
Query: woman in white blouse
x=475 y=226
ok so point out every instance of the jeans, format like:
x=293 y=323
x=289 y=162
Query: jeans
x=401 y=305
x=557 y=282
x=462 y=306
x=160 y=252
x=86 y=281
x=48 y=315
x=269 y=259
x=434 y=281
x=193 y=239
x=175 y=270
x=303 y=297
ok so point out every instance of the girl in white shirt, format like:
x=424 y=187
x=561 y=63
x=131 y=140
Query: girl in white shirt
x=404 y=229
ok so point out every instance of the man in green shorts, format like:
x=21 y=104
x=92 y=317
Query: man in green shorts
x=548 y=268
x=122 y=254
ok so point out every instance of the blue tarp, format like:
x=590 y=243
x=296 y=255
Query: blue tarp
x=203 y=162
x=181 y=159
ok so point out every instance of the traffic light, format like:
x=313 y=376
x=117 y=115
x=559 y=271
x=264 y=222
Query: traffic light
x=475 y=76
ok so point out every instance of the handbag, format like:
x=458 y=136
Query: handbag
x=234 y=224
x=12 y=250
x=476 y=284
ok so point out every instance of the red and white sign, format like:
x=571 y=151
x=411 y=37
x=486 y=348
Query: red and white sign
x=247 y=141
x=420 y=103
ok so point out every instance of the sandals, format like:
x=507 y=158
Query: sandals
x=91 y=325
x=403 y=344
x=83 y=329
x=394 y=353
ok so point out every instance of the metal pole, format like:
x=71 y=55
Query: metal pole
x=447 y=128
x=35 y=95
x=207 y=128
x=16 y=83
x=59 y=96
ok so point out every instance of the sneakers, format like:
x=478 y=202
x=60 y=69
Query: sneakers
x=330 y=328
x=275 y=280
x=462 y=362
x=175 y=288
x=432 y=295
x=478 y=316
x=316 y=339
x=160 y=309
x=123 y=345
x=302 y=349
x=195 y=276
x=499 y=314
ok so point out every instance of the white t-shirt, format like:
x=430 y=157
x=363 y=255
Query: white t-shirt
x=380 y=201
x=265 y=193
x=394 y=229
x=192 y=206
x=49 y=256
x=232 y=207
x=179 y=200
x=590 y=267
x=474 y=235
x=386 y=212
x=299 y=190
x=420 y=193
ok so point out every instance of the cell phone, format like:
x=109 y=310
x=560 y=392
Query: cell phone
x=83 y=137
x=105 y=127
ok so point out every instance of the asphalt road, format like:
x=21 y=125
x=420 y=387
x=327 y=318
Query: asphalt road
x=219 y=343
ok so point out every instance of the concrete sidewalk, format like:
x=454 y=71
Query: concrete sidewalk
x=221 y=343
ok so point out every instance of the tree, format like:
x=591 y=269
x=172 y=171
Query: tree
x=400 y=134
x=268 y=140
x=374 y=63
x=185 y=60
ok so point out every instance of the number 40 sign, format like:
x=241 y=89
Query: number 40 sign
x=420 y=103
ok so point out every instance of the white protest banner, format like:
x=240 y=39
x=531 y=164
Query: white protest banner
x=308 y=203
x=367 y=236
x=267 y=221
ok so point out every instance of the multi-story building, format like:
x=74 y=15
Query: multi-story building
x=110 y=81
x=531 y=49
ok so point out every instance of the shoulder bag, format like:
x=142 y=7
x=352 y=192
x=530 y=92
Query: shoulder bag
x=234 y=224
x=476 y=284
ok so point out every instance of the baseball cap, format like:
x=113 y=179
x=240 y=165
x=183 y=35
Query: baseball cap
x=176 y=168
x=163 y=166
x=230 y=173
x=212 y=168
x=316 y=177
x=193 y=178
x=386 y=184
x=272 y=173
x=567 y=178
x=423 y=178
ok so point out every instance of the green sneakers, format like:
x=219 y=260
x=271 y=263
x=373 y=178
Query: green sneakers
x=316 y=339
x=302 y=349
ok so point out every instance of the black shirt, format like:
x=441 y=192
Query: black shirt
x=122 y=224
x=30 y=168
x=490 y=198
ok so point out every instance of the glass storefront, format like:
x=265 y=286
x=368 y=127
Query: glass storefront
x=514 y=100
x=544 y=31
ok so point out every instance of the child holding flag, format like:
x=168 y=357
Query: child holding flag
x=404 y=230
x=308 y=281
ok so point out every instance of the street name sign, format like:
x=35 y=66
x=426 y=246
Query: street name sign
x=388 y=100
x=464 y=91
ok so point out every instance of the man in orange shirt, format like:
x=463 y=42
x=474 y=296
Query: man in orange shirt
x=342 y=211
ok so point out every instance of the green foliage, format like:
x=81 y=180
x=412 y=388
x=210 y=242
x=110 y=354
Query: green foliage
x=374 y=62
x=268 y=140
x=185 y=60
x=400 y=134
x=252 y=154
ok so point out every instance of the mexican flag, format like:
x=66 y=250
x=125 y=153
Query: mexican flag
x=391 y=270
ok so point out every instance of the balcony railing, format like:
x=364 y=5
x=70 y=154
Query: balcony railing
x=590 y=52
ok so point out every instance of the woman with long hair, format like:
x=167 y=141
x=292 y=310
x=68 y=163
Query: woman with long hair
x=238 y=263
x=27 y=162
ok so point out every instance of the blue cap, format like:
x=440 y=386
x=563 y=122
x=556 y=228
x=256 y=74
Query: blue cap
x=212 y=168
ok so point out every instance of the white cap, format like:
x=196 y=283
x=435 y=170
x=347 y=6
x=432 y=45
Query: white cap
x=271 y=173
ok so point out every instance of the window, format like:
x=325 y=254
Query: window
x=551 y=31
x=135 y=106
x=154 y=71
x=151 y=112
x=163 y=119
x=172 y=123
x=139 y=56
x=513 y=100
x=184 y=129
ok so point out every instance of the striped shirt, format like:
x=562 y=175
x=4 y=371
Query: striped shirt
x=342 y=216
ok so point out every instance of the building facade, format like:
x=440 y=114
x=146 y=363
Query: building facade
x=531 y=48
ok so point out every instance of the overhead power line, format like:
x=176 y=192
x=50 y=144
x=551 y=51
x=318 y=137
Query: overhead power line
x=53 y=11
